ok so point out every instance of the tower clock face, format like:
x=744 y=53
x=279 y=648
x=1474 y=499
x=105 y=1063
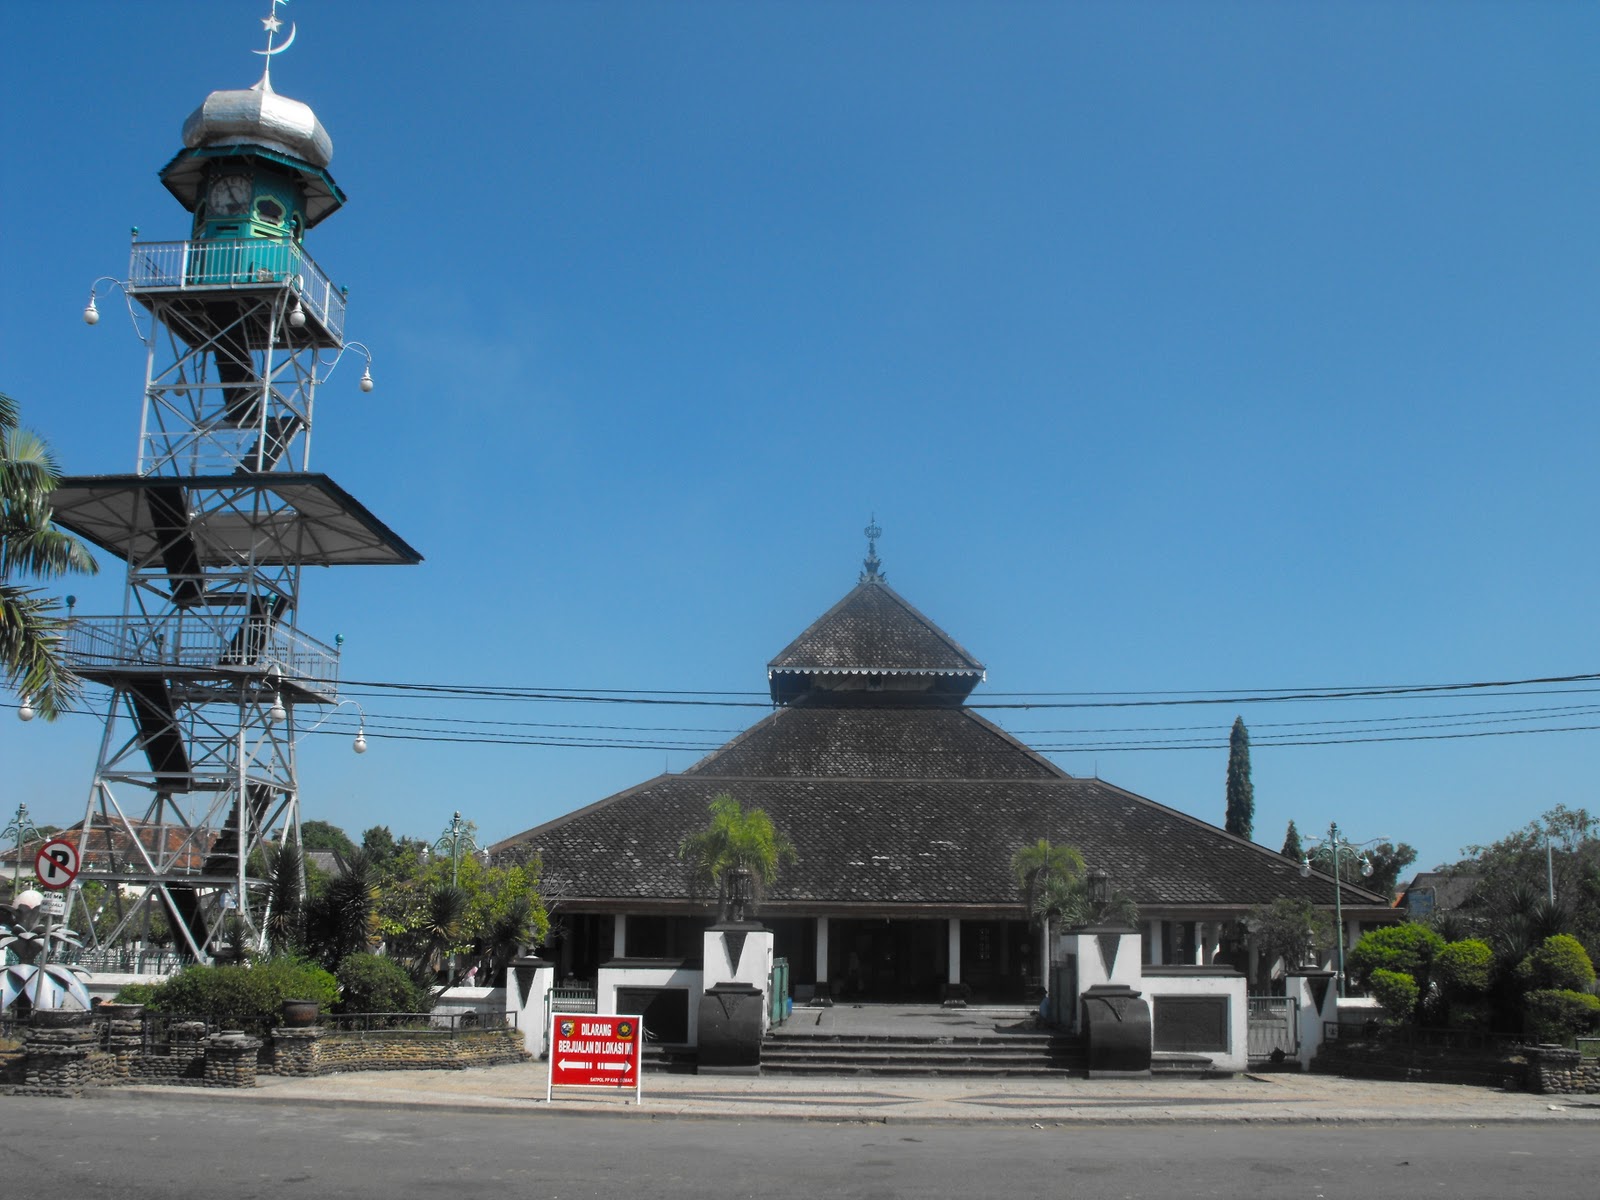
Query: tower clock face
x=229 y=195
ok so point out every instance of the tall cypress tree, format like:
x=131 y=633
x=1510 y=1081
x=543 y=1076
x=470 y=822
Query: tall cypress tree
x=1291 y=843
x=1241 y=793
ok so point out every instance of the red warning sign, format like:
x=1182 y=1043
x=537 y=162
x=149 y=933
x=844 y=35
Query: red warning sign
x=590 y=1050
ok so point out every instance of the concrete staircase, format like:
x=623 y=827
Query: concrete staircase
x=966 y=1055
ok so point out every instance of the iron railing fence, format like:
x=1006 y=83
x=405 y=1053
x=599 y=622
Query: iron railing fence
x=571 y=998
x=1273 y=1026
x=231 y=264
x=192 y=641
x=125 y=960
x=160 y=1027
x=434 y=1024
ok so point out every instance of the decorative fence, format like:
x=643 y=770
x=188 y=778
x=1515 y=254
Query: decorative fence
x=1274 y=1028
x=226 y=264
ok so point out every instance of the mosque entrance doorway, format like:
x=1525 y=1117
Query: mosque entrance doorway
x=884 y=961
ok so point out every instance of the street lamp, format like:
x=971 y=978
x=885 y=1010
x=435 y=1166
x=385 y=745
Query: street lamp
x=454 y=835
x=1338 y=845
x=23 y=830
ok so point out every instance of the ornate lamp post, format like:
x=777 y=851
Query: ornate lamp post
x=455 y=834
x=21 y=830
x=1337 y=845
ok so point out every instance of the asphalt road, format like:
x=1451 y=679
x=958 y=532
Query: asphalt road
x=137 y=1148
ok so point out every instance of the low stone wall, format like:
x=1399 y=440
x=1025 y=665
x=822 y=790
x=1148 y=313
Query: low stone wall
x=12 y=1059
x=1378 y=1060
x=57 y=1051
x=403 y=1050
x=1552 y=1070
x=62 y=1053
x=1558 y=1071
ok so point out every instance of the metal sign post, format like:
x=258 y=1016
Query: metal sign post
x=56 y=867
x=593 y=1050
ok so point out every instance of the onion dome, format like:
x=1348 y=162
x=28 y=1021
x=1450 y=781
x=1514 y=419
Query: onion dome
x=259 y=116
x=256 y=123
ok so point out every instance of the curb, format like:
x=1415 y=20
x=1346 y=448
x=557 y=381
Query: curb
x=541 y=1108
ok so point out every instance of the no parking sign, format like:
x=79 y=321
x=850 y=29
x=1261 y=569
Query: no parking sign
x=57 y=864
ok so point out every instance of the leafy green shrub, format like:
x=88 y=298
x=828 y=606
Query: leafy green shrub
x=1556 y=1014
x=136 y=993
x=1464 y=968
x=1408 y=949
x=1560 y=963
x=369 y=984
x=1396 y=991
x=254 y=992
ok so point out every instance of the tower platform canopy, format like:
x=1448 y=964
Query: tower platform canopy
x=273 y=519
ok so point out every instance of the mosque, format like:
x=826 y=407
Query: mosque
x=905 y=807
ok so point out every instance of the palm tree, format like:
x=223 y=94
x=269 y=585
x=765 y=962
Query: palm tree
x=443 y=929
x=1067 y=902
x=734 y=841
x=31 y=547
x=343 y=920
x=286 y=916
x=1035 y=867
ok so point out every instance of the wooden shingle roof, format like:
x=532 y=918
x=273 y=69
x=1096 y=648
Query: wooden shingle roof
x=893 y=844
x=902 y=802
x=875 y=630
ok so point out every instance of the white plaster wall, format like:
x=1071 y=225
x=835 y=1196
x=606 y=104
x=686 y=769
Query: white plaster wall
x=530 y=1013
x=1232 y=987
x=1126 y=971
x=665 y=976
x=755 y=960
x=1311 y=1020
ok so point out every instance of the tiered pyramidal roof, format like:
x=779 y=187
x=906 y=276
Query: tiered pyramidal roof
x=899 y=798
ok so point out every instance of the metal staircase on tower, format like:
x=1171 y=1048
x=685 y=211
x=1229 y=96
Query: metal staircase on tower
x=206 y=665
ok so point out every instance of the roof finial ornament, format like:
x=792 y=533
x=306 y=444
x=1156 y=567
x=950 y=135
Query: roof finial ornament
x=272 y=24
x=872 y=574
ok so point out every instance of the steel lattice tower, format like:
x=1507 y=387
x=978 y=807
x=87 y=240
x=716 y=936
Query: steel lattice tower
x=206 y=664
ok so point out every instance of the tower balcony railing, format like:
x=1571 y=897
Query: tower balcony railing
x=235 y=264
x=207 y=644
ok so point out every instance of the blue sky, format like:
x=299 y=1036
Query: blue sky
x=1177 y=348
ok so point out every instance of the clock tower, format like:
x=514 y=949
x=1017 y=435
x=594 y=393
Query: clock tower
x=207 y=667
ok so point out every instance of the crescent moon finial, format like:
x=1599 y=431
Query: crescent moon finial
x=272 y=23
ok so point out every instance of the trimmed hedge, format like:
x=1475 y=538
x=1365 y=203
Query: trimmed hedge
x=369 y=983
x=1560 y=963
x=1558 y=1015
x=254 y=992
x=1396 y=991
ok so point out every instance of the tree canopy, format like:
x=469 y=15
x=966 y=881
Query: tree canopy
x=733 y=840
x=322 y=835
x=1509 y=904
x=1036 y=864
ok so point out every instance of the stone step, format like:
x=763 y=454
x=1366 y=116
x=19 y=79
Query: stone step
x=1040 y=1055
